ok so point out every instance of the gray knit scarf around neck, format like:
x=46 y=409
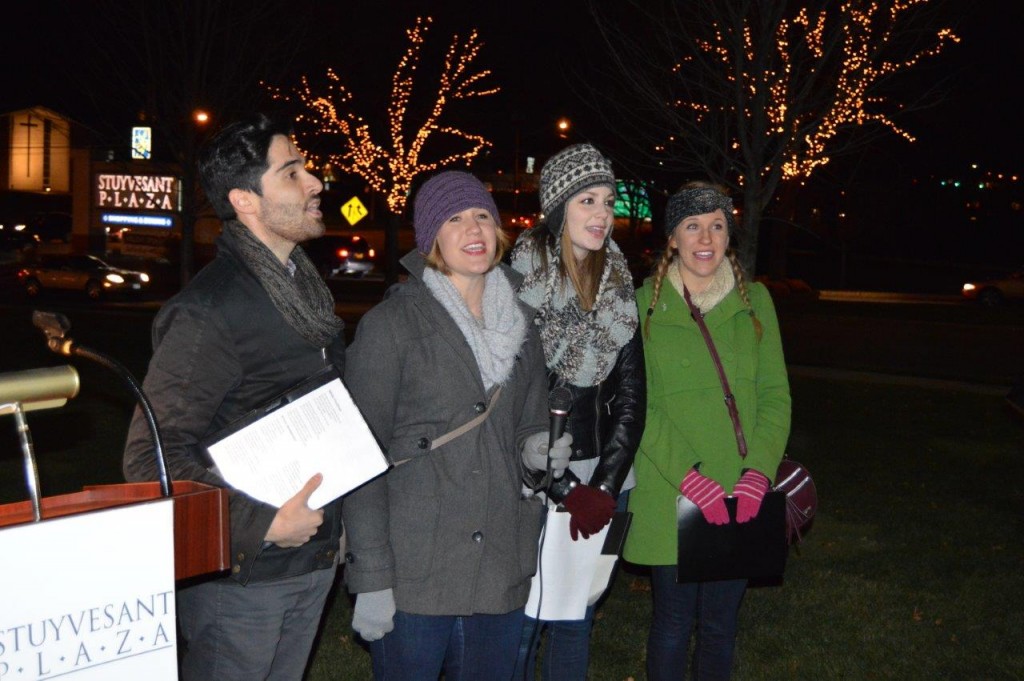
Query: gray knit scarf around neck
x=495 y=340
x=303 y=299
x=581 y=347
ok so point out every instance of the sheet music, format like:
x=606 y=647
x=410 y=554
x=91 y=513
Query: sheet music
x=575 y=573
x=319 y=432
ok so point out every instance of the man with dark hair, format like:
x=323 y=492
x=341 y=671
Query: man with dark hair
x=253 y=323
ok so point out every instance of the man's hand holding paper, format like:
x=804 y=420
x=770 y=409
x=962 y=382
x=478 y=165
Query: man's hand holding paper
x=295 y=522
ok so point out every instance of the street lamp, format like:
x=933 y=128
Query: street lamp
x=563 y=127
x=200 y=117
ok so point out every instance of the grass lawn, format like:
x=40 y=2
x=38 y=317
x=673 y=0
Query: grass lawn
x=914 y=568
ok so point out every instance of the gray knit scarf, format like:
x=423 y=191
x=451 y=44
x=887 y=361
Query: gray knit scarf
x=303 y=299
x=581 y=347
x=495 y=340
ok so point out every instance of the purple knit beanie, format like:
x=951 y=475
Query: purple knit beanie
x=441 y=197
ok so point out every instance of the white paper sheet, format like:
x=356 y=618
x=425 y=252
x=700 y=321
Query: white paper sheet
x=320 y=432
x=575 y=573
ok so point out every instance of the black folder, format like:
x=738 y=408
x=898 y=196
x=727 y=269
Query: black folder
x=756 y=549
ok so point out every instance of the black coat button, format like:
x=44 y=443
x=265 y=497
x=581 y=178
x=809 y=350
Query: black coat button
x=423 y=443
x=480 y=407
x=349 y=558
x=478 y=536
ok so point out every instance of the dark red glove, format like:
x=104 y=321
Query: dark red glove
x=708 y=495
x=749 y=492
x=590 y=510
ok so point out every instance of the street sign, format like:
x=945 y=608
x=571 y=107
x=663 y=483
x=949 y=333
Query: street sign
x=142 y=142
x=354 y=210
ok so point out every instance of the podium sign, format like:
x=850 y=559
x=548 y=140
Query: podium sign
x=90 y=596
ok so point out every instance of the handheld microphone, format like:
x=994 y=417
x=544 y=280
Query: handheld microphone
x=559 y=403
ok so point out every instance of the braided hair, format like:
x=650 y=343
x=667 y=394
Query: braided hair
x=705 y=197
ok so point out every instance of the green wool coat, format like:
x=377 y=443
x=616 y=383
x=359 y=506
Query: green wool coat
x=687 y=420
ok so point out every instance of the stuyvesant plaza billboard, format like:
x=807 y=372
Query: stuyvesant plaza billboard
x=137 y=192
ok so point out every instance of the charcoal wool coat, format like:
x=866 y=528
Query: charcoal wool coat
x=448 y=529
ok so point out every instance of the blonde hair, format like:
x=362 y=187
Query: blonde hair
x=668 y=257
x=435 y=260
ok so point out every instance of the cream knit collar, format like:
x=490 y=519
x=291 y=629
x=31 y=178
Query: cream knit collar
x=723 y=282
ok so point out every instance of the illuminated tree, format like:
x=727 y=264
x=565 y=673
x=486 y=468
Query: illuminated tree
x=389 y=166
x=751 y=94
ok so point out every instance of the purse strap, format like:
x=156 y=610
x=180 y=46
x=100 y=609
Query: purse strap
x=730 y=399
x=461 y=430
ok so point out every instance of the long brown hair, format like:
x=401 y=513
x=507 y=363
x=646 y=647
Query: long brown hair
x=584 y=275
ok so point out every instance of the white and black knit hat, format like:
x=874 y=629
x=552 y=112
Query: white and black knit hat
x=570 y=171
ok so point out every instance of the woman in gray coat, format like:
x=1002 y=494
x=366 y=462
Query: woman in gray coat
x=450 y=376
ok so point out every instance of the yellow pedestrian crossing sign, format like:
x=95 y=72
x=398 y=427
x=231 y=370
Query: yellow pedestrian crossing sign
x=354 y=210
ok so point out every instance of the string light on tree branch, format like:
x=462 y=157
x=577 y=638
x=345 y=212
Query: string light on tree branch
x=389 y=168
x=772 y=82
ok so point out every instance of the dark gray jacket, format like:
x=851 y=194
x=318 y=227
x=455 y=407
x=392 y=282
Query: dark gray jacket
x=448 y=530
x=220 y=349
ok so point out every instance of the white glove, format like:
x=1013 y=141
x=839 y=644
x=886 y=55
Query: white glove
x=374 y=614
x=536 y=453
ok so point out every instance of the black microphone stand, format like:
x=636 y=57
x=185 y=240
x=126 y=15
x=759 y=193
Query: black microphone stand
x=56 y=326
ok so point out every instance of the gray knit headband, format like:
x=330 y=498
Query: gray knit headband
x=696 y=201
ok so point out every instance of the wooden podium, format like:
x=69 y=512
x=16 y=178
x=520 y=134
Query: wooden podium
x=201 y=537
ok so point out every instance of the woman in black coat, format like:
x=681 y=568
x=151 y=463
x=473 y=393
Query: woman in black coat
x=577 y=279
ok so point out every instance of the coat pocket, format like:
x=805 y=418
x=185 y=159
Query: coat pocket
x=413 y=526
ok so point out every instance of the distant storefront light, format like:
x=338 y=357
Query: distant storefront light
x=158 y=221
x=632 y=199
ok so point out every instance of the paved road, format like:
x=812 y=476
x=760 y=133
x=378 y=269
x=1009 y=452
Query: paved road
x=931 y=339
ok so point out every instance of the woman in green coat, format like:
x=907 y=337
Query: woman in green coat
x=689 y=445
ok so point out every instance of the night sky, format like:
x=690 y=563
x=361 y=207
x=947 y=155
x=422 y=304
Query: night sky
x=542 y=55
x=539 y=52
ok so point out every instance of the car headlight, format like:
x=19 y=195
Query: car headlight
x=969 y=287
x=115 y=278
x=144 y=277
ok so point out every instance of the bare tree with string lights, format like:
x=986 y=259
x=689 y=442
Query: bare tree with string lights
x=389 y=160
x=753 y=94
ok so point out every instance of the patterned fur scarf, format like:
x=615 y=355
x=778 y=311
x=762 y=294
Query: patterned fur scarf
x=303 y=299
x=581 y=347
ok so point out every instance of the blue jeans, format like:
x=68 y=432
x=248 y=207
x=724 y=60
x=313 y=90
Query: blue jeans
x=712 y=606
x=466 y=648
x=567 y=651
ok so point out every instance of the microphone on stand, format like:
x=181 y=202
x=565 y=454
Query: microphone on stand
x=56 y=326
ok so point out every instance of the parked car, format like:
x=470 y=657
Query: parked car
x=80 y=273
x=995 y=291
x=14 y=239
x=51 y=226
x=338 y=255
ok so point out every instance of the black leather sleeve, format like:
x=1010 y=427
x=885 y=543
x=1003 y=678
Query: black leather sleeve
x=624 y=410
